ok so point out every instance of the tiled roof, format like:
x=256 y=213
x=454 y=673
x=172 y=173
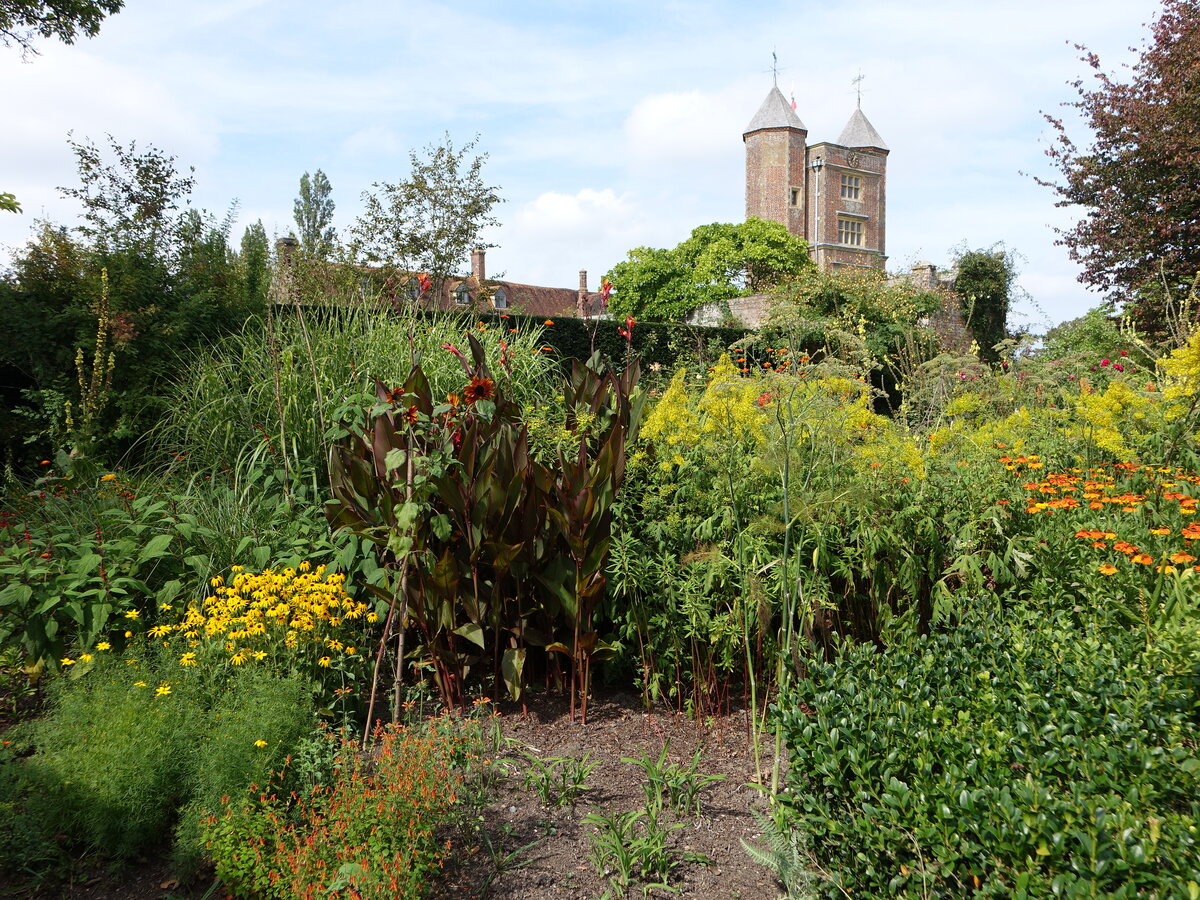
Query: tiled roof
x=775 y=112
x=861 y=133
x=531 y=299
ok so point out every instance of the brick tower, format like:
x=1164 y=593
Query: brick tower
x=831 y=194
x=775 y=164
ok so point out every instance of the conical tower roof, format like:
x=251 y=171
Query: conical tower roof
x=861 y=133
x=775 y=112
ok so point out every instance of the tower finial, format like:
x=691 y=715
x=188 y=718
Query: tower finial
x=774 y=69
x=857 y=81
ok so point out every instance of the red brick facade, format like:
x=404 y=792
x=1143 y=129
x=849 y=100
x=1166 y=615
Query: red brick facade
x=834 y=195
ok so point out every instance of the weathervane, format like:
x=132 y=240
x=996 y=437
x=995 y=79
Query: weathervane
x=857 y=81
x=774 y=69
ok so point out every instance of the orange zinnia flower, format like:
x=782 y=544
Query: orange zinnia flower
x=1108 y=569
x=1144 y=559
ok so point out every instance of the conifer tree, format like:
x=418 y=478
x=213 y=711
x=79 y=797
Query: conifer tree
x=314 y=213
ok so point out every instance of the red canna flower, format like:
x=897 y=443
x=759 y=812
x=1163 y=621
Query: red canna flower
x=627 y=331
x=425 y=282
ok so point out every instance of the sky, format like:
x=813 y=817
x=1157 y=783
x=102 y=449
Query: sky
x=607 y=125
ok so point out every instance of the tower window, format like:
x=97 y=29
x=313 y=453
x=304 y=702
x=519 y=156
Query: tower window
x=850 y=232
x=795 y=197
x=851 y=187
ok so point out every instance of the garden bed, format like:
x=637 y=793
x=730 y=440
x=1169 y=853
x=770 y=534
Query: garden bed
x=556 y=861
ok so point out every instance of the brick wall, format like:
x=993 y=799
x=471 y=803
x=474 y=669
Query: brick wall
x=774 y=166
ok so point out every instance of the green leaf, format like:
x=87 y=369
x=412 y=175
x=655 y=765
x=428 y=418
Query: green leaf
x=155 y=547
x=472 y=633
x=512 y=668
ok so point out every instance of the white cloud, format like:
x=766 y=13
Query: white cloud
x=666 y=130
x=555 y=235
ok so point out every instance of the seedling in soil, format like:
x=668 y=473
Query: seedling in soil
x=623 y=851
x=678 y=787
x=558 y=780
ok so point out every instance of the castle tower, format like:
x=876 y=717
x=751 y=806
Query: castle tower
x=831 y=194
x=847 y=198
x=775 y=164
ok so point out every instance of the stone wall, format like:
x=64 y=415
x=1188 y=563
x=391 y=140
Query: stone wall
x=948 y=322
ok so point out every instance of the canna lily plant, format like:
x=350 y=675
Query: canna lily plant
x=492 y=552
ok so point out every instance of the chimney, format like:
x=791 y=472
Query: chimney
x=583 y=280
x=925 y=274
x=477 y=265
x=285 y=249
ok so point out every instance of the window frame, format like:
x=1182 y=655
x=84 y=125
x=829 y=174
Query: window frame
x=848 y=227
x=851 y=186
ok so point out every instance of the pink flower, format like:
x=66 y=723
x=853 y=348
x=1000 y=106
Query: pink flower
x=1103 y=362
x=1118 y=367
x=1124 y=352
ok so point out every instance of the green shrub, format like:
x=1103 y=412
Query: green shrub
x=136 y=740
x=1031 y=757
x=112 y=759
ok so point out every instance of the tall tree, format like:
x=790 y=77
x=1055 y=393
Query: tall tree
x=254 y=264
x=717 y=262
x=314 y=213
x=131 y=201
x=1137 y=181
x=21 y=21
x=984 y=285
x=430 y=221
